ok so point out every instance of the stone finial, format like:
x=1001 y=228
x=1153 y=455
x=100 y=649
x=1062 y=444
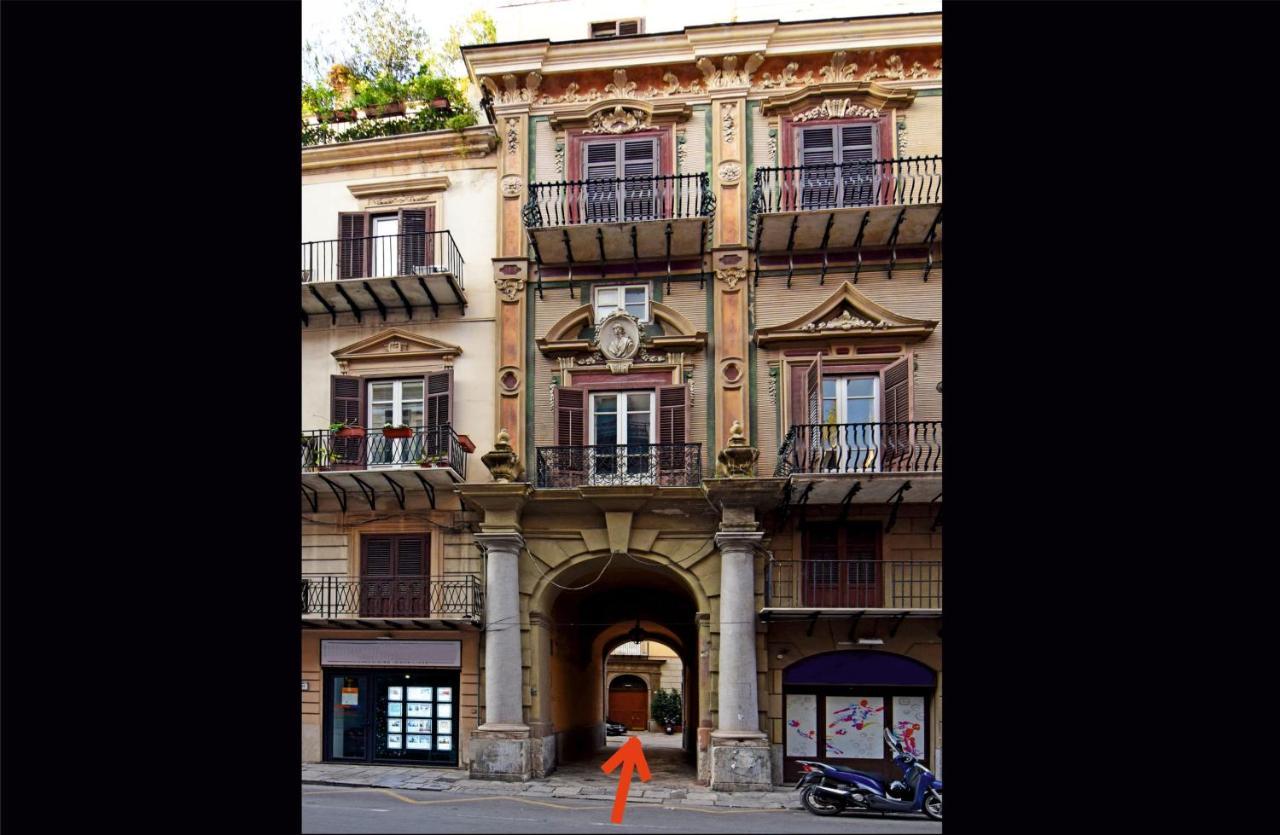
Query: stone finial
x=502 y=461
x=737 y=460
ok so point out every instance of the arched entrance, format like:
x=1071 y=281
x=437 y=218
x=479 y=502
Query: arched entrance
x=591 y=606
x=836 y=706
x=629 y=702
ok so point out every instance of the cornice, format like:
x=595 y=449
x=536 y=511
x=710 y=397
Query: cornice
x=436 y=145
x=770 y=38
x=867 y=93
x=437 y=182
x=580 y=116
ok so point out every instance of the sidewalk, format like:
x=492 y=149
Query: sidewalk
x=669 y=786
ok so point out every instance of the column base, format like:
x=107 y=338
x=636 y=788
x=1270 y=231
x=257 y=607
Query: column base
x=502 y=752
x=740 y=761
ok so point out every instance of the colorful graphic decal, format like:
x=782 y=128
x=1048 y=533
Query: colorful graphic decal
x=802 y=722
x=908 y=723
x=855 y=727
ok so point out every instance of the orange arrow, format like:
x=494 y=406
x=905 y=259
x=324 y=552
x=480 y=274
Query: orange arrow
x=629 y=756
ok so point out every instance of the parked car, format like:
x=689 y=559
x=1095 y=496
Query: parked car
x=612 y=728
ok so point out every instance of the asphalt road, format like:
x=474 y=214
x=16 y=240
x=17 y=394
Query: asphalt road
x=334 y=809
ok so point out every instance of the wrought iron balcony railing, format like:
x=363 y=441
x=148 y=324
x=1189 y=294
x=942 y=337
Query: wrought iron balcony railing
x=898 y=447
x=382 y=256
x=619 y=200
x=910 y=181
x=451 y=596
x=665 y=465
x=853 y=584
x=430 y=446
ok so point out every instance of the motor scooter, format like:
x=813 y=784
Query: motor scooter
x=831 y=789
x=669 y=725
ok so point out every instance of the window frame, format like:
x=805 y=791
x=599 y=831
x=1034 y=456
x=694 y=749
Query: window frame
x=622 y=290
x=842 y=397
x=621 y=424
x=617 y=26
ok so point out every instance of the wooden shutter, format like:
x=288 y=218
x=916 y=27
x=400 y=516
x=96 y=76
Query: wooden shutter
x=438 y=388
x=415 y=243
x=628 y=27
x=600 y=162
x=346 y=405
x=895 y=410
x=818 y=174
x=639 y=159
x=813 y=391
x=857 y=174
x=673 y=432
x=394 y=575
x=568 y=462
x=353 y=253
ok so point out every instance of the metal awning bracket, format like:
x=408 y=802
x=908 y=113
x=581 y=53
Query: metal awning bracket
x=568 y=252
x=427 y=488
x=332 y=312
x=342 y=292
x=395 y=488
x=668 y=258
x=937 y=520
x=896 y=501
x=313 y=498
x=369 y=493
x=928 y=244
x=791 y=243
x=408 y=308
x=857 y=244
x=853 y=625
x=339 y=492
x=435 y=306
x=826 y=236
x=537 y=260
x=848 y=500
x=893 y=241
x=382 y=308
x=600 y=244
x=893 y=630
x=813 y=620
x=635 y=253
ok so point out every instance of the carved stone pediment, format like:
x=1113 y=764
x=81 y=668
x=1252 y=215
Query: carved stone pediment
x=826 y=99
x=562 y=338
x=395 y=348
x=618 y=115
x=846 y=313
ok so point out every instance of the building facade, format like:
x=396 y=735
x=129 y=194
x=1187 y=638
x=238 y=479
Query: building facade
x=700 y=334
x=395 y=332
x=719 y=386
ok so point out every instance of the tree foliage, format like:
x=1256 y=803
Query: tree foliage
x=665 y=703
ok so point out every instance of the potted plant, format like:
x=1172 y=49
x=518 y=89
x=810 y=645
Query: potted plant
x=466 y=443
x=402 y=431
x=433 y=461
x=346 y=430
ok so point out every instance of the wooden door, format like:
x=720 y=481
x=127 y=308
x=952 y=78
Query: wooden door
x=628 y=707
x=394 y=580
x=841 y=566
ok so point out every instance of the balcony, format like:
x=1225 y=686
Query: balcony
x=409 y=272
x=880 y=457
x=662 y=465
x=365 y=464
x=847 y=207
x=891 y=587
x=344 y=602
x=620 y=220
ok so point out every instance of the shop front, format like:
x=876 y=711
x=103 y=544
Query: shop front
x=391 y=702
x=837 y=705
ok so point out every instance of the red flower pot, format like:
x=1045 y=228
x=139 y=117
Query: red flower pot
x=466 y=443
x=401 y=432
x=350 y=432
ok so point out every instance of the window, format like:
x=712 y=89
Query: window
x=837 y=165
x=841 y=565
x=634 y=299
x=617 y=28
x=622 y=426
x=395 y=402
x=850 y=435
x=610 y=198
x=386 y=244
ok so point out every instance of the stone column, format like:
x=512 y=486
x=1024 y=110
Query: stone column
x=500 y=748
x=739 y=750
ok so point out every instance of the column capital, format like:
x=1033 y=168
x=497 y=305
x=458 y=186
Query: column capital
x=510 y=541
x=737 y=540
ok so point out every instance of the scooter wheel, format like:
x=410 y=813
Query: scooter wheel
x=933 y=805
x=819 y=805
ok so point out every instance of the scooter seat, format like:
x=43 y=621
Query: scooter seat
x=853 y=771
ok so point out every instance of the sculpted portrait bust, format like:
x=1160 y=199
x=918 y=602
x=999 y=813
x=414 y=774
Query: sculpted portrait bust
x=618 y=336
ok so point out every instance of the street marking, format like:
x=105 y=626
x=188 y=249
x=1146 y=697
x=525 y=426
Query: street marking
x=410 y=800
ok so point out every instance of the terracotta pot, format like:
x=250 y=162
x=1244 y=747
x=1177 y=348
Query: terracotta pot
x=374 y=111
x=350 y=432
x=466 y=443
x=397 y=432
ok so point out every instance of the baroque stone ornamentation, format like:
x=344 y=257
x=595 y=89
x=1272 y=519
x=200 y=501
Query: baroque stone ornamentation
x=620 y=87
x=512 y=93
x=681 y=140
x=728 y=116
x=510 y=287
x=560 y=158
x=513 y=136
x=594 y=358
x=844 y=322
x=892 y=69
x=730 y=172
x=837 y=109
x=773 y=146
x=839 y=69
x=902 y=137
x=729 y=75
x=502 y=461
x=619 y=120
x=738 y=459
x=773 y=385
x=512 y=185
x=731 y=276
x=618 y=336
x=786 y=78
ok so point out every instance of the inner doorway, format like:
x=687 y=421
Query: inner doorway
x=629 y=702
